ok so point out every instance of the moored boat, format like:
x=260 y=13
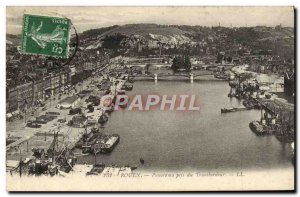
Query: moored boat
x=96 y=170
x=131 y=80
x=100 y=143
x=234 y=109
x=103 y=119
x=107 y=146
x=127 y=87
x=257 y=128
x=223 y=76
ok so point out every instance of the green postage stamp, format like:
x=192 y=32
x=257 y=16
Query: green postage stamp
x=45 y=35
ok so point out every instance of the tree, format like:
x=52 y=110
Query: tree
x=147 y=67
x=187 y=62
x=181 y=62
x=113 y=41
x=220 y=58
x=177 y=62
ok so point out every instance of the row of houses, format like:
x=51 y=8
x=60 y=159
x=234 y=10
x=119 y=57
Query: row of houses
x=37 y=89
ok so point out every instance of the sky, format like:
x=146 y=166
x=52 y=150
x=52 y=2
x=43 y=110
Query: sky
x=85 y=18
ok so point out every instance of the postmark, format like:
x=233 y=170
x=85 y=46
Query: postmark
x=45 y=35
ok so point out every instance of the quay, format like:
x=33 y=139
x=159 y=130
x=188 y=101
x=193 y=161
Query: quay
x=56 y=135
x=63 y=136
x=277 y=115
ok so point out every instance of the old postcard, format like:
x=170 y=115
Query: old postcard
x=150 y=98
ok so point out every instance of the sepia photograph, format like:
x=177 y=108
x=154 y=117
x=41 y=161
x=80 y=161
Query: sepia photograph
x=150 y=98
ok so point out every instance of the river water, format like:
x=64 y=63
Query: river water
x=198 y=140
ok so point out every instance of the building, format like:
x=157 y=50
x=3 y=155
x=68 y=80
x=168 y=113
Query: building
x=79 y=68
x=47 y=87
x=63 y=82
x=55 y=84
x=289 y=83
x=11 y=99
x=38 y=91
x=25 y=95
x=88 y=66
x=72 y=70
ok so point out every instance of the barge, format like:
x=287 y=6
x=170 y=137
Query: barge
x=127 y=87
x=257 y=128
x=234 y=109
x=96 y=170
x=100 y=143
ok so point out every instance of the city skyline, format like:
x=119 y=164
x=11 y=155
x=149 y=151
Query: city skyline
x=85 y=18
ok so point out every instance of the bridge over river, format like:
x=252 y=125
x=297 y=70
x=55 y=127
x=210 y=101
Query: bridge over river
x=175 y=77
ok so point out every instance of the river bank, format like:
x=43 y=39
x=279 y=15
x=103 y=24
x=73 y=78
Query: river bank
x=210 y=142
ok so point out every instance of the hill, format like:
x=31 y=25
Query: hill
x=149 y=39
x=134 y=33
x=13 y=39
x=146 y=29
x=97 y=32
